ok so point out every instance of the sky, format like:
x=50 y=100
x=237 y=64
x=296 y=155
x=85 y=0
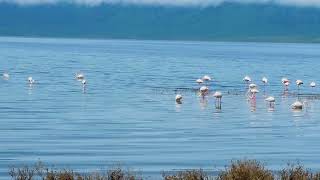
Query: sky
x=304 y=3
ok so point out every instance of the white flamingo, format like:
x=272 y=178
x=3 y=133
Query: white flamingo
x=31 y=80
x=264 y=81
x=84 y=85
x=271 y=100
x=252 y=86
x=313 y=84
x=199 y=81
x=206 y=78
x=6 y=76
x=254 y=90
x=178 y=98
x=204 y=90
x=299 y=83
x=247 y=79
x=298 y=105
x=218 y=96
x=79 y=76
x=84 y=82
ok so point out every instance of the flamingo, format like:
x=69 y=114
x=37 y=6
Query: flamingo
x=204 y=90
x=286 y=83
x=254 y=91
x=84 y=82
x=31 y=80
x=199 y=81
x=84 y=85
x=271 y=100
x=264 y=81
x=178 y=98
x=79 y=76
x=313 y=84
x=299 y=83
x=297 y=105
x=252 y=86
x=253 y=102
x=6 y=76
x=247 y=79
x=218 y=96
x=206 y=78
x=284 y=80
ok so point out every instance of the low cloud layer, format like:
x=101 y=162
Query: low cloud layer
x=310 y=3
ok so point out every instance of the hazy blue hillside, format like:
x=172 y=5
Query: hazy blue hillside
x=225 y=22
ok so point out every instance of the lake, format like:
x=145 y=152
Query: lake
x=127 y=113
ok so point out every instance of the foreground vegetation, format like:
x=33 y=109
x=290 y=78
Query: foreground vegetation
x=237 y=170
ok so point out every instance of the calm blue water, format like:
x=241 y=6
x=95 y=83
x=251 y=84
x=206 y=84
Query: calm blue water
x=128 y=113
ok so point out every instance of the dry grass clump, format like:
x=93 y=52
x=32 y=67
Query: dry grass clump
x=24 y=173
x=41 y=172
x=119 y=173
x=298 y=172
x=187 y=175
x=238 y=170
x=246 y=170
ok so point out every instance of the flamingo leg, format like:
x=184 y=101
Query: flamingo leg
x=218 y=103
x=298 y=92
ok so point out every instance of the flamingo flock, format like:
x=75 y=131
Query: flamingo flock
x=79 y=76
x=203 y=91
x=251 y=93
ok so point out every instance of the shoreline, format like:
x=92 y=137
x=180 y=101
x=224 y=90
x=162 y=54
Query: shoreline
x=222 y=40
x=235 y=170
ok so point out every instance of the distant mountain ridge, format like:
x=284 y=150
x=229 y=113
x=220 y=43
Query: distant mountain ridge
x=227 y=22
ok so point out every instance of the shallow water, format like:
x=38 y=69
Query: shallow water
x=128 y=114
